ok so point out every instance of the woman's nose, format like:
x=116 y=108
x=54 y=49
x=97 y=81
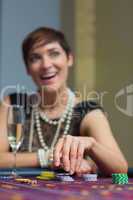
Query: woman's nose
x=46 y=62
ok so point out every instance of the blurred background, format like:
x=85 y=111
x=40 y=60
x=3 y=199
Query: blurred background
x=101 y=36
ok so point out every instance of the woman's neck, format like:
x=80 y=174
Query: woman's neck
x=54 y=99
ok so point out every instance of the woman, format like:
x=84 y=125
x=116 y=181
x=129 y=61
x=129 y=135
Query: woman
x=63 y=131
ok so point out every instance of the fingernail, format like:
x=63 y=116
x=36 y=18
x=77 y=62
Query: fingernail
x=67 y=168
x=71 y=172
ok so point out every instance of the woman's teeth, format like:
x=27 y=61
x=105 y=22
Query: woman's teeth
x=48 y=76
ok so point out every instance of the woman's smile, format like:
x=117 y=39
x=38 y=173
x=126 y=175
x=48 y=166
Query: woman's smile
x=48 y=78
x=48 y=65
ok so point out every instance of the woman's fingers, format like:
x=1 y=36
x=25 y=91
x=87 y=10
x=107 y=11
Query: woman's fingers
x=78 y=147
x=58 y=152
x=73 y=154
x=84 y=167
x=80 y=155
x=66 y=152
x=69 y=152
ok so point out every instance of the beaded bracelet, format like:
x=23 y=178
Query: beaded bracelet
x=42 y=157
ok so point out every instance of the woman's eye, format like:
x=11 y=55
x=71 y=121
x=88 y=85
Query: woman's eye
x=34 y=58
x=54 y=54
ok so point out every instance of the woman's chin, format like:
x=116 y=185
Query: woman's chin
x=49 y=88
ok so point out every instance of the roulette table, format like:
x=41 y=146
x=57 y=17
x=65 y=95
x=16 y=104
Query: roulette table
x=36 y=189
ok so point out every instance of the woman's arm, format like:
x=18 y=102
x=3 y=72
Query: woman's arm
x=7 y=158
x=104 y=151
x=98 y=143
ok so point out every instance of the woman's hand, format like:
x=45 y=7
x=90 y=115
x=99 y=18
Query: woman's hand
x=85 y=167
x=69 y=152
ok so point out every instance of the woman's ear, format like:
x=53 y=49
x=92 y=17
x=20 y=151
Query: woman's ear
x=70 y=60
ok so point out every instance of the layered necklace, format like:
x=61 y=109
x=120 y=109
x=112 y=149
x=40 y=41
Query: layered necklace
x=65 y=118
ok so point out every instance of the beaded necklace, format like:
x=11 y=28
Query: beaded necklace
x=66 y=117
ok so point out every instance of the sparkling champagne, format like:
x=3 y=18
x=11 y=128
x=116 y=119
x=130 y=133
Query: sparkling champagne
x=15 y=126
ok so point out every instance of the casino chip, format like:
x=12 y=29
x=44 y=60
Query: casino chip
x=90 y=177
x=49 y=174
x=6 y=177
x=26 y=180
x=64 y=177
x=119 y=178
x=46 y=175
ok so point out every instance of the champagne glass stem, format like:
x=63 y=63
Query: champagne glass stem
x=18 y=136
x=14 y=172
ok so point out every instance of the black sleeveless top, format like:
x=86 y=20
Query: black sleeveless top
x=79 y=112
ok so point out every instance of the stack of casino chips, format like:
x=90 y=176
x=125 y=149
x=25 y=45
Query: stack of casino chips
x=119 y=178
x=46 y=175
x=64 y=177
x=90 y=177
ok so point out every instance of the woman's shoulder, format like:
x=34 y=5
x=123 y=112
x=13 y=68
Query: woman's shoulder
x=88 y=106
x=18 y=98
x=4 y=103
x=22 y=98
x=84 y=107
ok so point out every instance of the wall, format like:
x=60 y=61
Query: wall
x=103 y=49
x=68 y=27
x=114 y=67
x=19 y=18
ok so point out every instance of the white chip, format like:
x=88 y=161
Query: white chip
x=65 y=178
x=63 y=174
x=90 y=177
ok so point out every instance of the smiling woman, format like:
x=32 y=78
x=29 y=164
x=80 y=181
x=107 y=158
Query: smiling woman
x=47 y=59
x=48 y=65
x=63 y=131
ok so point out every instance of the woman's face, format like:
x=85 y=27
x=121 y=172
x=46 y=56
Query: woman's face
x=48 y=66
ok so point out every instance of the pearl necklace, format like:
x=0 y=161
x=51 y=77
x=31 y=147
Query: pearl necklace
x=67 y=115
x=64 y=115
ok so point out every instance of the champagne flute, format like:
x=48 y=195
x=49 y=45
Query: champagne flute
x=16 y=120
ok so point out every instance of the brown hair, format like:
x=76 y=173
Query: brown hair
x=42 y=36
